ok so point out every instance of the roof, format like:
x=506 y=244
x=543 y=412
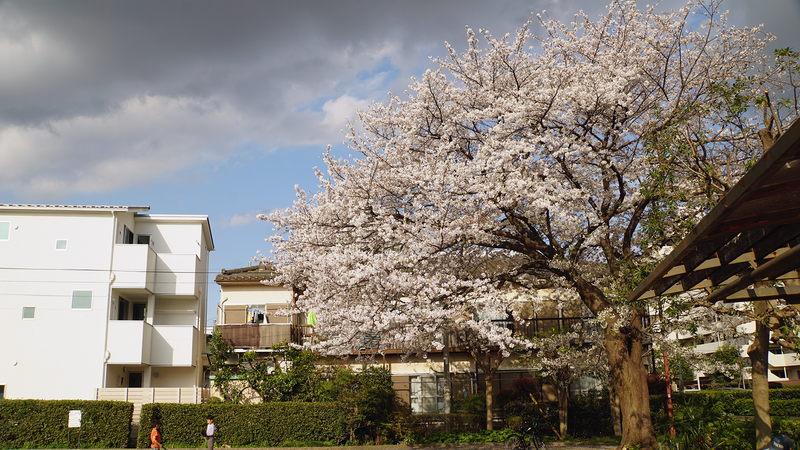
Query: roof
x=258 y=273
x=74 y=207
x=752 y=235
x=201 y=219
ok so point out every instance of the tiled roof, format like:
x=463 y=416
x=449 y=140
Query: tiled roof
x=260 y=272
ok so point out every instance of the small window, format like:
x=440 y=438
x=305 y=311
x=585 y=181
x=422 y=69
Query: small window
x=143 y=239
x=5 y=230
x=28 y=312
x=127 y=235
x=2 y=391
x=81 y=299
x=61 y=245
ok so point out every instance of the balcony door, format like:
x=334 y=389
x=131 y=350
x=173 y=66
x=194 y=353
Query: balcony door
x=139 y=311
x=122 y=309
x=135 y=379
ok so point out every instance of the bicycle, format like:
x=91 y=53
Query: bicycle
x=517 y=442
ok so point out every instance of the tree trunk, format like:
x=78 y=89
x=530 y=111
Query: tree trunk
x=616 y=412
x=488 y=362
x=625 y=353
x=563 y=410
x=628 y=375
x=758 y=352
x=489 y=400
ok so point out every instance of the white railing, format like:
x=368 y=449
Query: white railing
x=134 y=266
x=140 y=396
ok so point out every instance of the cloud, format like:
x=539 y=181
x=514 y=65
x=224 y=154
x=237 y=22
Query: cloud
x=242 y=219
x=101 y=96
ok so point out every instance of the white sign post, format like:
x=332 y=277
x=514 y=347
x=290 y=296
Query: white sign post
x=75 y=422
x=74 y=418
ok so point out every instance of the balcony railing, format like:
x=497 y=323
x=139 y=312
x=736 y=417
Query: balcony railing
x=134 y=267
x=129 y=341
x=255 y=335
x=138 y=342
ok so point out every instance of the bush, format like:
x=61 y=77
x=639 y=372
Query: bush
x=44 y=423
x=589 y=415
x=532 y=413
x=262 y=425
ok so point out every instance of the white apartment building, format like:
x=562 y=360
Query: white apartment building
x=96 y=297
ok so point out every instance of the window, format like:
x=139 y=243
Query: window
x=5 y=230
x=143 y=239
x=2 y=391
x=139 y=311
x=81 y=299
x=28 y=312
x=127 y=235
x=61 y=244
x=427 y=394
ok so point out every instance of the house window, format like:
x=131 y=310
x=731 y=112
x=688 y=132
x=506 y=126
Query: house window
x=81 y=299
x=427 y=394
x=61 y=245
x=5 y=230
x=28 y=312
x=143 y=239
x=2 y=391
x=127 y=235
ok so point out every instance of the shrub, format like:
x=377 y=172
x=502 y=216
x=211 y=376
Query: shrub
x=44 y=423
x=264 y=424
x=589 y=414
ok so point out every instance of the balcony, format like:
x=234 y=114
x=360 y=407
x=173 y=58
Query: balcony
x=254 y=335
x=134 y=266
x=173 y=345
x=178 y=274
x=129 y=341
x=135 y=342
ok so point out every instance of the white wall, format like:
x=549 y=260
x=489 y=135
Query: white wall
x=256 y=295
x=60 y=352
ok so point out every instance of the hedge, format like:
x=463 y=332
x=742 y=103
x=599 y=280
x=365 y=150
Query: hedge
x=259 y=425
x=783 y=402
x=44 y=423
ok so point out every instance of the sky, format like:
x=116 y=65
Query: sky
x=221 y=108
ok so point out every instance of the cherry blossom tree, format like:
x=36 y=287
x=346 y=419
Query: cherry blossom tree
x=509 y=165
x=563 y=356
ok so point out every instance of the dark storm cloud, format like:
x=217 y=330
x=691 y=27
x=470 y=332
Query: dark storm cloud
x=89 y=87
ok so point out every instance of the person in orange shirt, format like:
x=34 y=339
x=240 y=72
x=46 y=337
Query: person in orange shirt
x=155 y=436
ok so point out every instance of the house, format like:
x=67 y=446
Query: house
x=249 y=310
x=99 y=302
x=249 y=317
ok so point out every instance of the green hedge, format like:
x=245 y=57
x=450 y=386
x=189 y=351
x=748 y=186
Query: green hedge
x=261 y=425
x=783 y=402
x=43 y=423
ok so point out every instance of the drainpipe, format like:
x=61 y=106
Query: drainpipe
x=111 y=278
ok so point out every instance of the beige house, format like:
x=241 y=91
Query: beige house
x=253 y=315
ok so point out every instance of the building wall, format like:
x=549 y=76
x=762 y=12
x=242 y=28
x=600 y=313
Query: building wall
x=59 y=353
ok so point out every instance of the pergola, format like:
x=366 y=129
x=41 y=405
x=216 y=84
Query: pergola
x=752 y=235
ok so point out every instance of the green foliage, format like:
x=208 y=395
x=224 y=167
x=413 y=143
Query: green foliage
x=465 y=437
x=679 y=367
x=260 y=425
x=288 y=375
x=589 y=414
x=703 y=425
x=369 y=395
x=474 y=404
x=224 y=365
x=532 y=413
x=43 y=423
